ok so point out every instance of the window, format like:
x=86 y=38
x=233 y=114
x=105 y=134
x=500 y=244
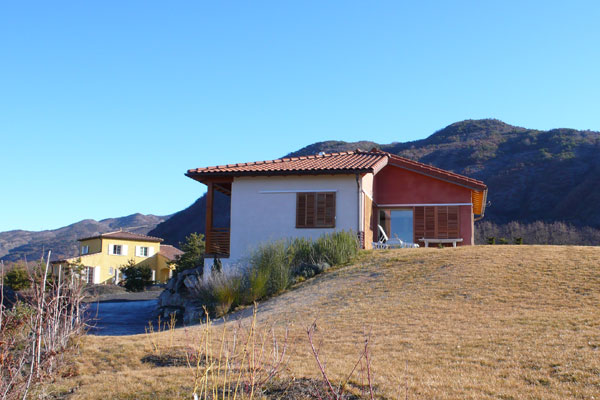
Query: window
x=89 y=275
x=117 y=249
x=144 y=251
x=315 y=210
x=85 y=250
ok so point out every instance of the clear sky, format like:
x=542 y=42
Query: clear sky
x=104 y=105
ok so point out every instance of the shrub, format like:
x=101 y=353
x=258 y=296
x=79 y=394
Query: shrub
x=301 y=251
x=519 y=240
x=337 y=248
x=503 y=241
x=491 y=240
x=271 y=263
x=137 y=277
x=17 y=278
x=227 y=292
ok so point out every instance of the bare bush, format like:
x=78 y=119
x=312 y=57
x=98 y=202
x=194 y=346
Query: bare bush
x=34 y=334
x=332 y=391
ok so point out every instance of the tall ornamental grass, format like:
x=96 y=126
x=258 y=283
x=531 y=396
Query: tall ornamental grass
x=273 y=267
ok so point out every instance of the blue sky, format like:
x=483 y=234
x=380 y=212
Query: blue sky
x=105 y=105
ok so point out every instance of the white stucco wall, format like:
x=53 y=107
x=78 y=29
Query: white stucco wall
x=264 y=209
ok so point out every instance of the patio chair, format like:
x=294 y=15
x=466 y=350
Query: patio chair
x=381 y=243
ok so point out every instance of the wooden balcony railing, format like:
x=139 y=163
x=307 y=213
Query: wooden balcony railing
x=217 y=242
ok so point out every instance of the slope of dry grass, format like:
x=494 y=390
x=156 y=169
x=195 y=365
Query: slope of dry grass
x=483 y=322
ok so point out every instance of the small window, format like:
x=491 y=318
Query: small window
x=85 y=250
x=315 y=210
x=111 y=270
x=117 y=249
x=144 y=251
x=89 y=275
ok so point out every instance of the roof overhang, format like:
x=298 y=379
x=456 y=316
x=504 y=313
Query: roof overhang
x=223 y=177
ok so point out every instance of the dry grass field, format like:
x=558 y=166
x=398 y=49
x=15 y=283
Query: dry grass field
x=482 y=322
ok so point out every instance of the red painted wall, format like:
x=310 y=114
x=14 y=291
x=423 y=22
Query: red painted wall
x=395 y=185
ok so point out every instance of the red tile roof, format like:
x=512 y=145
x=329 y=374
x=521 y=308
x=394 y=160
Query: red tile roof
x=344 y=162
x=332 y=163
x=124 y=236
x=169 y=252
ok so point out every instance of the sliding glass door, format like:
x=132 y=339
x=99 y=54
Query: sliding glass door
x=397 y=223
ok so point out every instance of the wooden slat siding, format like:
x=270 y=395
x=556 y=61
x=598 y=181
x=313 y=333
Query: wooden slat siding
x=217 y=242
x=315 y=210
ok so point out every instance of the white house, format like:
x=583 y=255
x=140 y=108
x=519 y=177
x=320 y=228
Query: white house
x=358 y=190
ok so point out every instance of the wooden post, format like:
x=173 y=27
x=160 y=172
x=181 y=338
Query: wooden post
x=209 y=214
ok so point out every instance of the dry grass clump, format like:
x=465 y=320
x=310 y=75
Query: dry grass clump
x=481 y=322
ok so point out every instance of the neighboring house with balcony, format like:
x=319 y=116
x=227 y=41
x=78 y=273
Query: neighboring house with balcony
x=357 y=190
x=102 y=256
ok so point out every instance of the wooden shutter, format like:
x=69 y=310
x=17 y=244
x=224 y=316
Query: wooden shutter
x=310 y=210
x=453 y=225
x=321 y=200
x=419 y=221
x=442 y=222
x=330 y=210
x=439 y=222
x=301 y=210
x=315 y=210
x=430 y=222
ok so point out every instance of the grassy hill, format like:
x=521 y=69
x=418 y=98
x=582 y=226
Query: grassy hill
x=481 y=322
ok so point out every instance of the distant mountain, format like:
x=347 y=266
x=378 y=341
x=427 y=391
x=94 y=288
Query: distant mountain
x=532 y=175
x=19 y=245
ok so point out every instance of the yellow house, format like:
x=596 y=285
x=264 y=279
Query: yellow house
x=104 y=255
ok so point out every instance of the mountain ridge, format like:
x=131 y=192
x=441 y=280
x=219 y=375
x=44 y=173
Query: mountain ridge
x=20 y=245
x=532 y=175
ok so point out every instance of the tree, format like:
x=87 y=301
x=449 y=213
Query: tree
x=137 y=277
x=17 y=278
x=193 y=253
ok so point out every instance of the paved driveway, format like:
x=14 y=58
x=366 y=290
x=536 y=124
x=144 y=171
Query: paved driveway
x=114 y=318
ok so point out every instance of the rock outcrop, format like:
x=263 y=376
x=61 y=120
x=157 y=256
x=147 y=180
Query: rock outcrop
x=180 y=297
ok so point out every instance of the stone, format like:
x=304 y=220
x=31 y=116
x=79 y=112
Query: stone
x=178 y=297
